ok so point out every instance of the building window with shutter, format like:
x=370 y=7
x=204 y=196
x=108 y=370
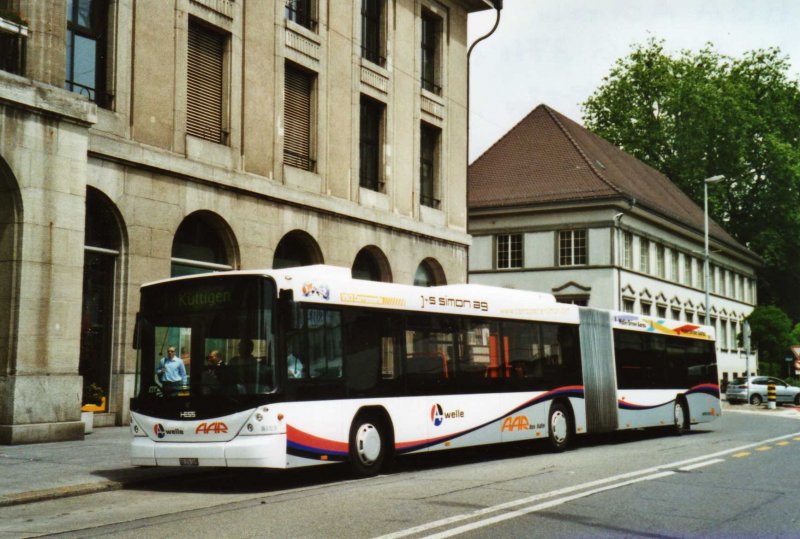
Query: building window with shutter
x=508 y=251
x=369 y=144
x=297 y=118
x=302 y=12
x=627 y=250
x=372 y=47
x=687 y=270
x=87 y=44
x=428 y=166
x=572 y=248
x=431 y=39
x=644 y=255
x=206 y=92
x=661 y=269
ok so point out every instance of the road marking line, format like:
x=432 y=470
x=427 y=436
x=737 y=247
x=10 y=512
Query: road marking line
x=539 y=507
x=700 y=465
x=741 y=454
x=524 y=501
x=782 y=444
x=796 y=439
x=763 y=448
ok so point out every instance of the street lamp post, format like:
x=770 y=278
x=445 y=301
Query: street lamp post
x=712 y=179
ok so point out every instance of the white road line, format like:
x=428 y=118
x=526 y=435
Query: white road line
x=541 y=506
x=700 y=465
x=567 y=490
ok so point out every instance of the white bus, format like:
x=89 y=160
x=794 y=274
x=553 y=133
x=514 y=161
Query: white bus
x=317 y=367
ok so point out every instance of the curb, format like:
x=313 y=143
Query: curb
x=61 y=492
x=83 y=489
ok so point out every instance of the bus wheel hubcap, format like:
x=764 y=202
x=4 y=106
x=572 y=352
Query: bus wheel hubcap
x=558 y=424
x=678 y=415
x=368 y=443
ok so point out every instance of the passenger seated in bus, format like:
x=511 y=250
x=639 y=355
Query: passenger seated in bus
x=294 y=365
x=171 y=373
x=215 y=378
x=244 y=366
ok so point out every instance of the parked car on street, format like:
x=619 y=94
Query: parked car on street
x=738 y=390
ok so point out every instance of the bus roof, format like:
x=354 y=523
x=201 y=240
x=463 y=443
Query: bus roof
x=334 y=285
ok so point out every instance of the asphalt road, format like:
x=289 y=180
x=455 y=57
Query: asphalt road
x=735 y=477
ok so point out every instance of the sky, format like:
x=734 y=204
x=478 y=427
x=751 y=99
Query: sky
x=557 y=52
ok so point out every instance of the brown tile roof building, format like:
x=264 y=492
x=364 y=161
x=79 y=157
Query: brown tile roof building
x=547 y=158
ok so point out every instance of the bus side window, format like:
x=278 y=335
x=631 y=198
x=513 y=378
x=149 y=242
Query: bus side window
x=371 y=350
x=431 y=345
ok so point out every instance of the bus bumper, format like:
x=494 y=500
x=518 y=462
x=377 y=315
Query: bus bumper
x=242 y=452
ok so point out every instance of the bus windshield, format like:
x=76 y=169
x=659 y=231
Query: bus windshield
x=206 y=337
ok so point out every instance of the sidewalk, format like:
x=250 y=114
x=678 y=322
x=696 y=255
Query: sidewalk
x=101 y=461
x=36 y=472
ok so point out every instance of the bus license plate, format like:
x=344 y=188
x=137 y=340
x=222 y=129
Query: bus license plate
x=188 y=462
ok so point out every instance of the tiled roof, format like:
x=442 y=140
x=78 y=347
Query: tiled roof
x=548 y=158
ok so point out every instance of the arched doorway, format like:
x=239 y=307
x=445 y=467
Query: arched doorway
x=429 y=273
x=101 y=249
x=371 y=264
x=297 y=248
x=203 y=243
x=10 y=248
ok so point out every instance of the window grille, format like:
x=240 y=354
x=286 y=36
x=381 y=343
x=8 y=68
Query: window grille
x=509 y=251
x=572 y=248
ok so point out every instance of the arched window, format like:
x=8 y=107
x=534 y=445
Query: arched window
x=429 y=273
x=102 y=244
x=372 y=265
x=297 y=248
x=199 y=246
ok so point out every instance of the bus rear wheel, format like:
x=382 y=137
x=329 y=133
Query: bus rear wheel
x=368 y=438
x=559 y=426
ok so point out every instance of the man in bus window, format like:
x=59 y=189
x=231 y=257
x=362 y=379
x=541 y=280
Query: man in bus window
x=215 y=374
x=172 y=373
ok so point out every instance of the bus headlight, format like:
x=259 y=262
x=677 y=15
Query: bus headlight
x=136 y=430
x=262 y=422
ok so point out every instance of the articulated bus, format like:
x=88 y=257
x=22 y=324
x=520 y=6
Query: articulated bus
x=316 y=367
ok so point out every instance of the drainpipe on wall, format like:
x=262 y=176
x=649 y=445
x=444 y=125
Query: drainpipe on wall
x=497 y=5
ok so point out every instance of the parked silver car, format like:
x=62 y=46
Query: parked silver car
x=738 y=390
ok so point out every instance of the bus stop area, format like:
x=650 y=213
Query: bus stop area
x=101 y=461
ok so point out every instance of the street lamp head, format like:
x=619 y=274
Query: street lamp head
x=715 y=179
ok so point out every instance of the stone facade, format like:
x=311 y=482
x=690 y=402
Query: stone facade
x=61 y=153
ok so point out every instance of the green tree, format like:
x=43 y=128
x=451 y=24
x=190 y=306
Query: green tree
x=697 y=114
x=795 y=335
x=770 y=330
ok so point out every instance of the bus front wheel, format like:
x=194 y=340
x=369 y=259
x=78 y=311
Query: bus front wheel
x=559 y=425
x=680 y=417
x=367 y=445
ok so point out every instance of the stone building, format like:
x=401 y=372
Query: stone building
x=557 y=209
x=144 y=139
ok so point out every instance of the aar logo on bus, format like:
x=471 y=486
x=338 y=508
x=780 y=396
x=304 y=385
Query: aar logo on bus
x=437 y=415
